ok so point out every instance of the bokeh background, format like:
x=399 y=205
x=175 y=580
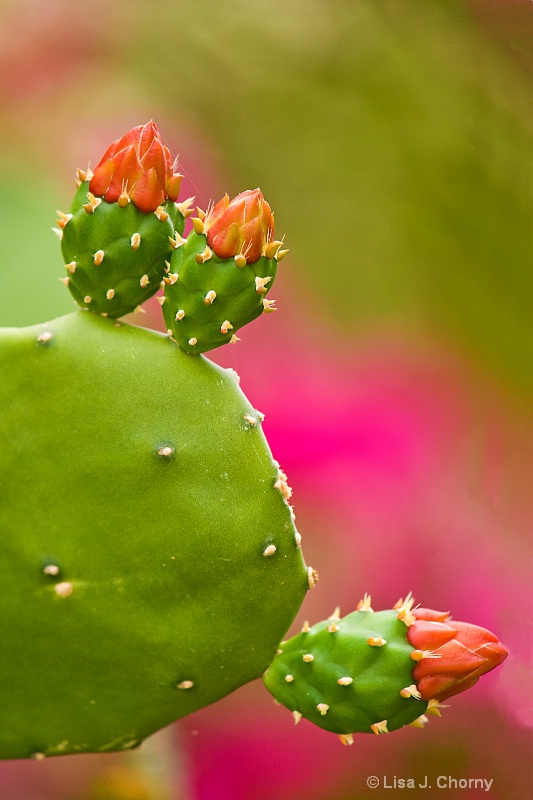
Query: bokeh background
x=394 y=141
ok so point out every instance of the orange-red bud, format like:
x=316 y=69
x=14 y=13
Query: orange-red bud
x=460 y=654
x=139 y=164
x=244 y=225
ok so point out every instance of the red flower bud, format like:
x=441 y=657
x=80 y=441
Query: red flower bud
x=137 y=167
x=244 y=225
x=460 y=654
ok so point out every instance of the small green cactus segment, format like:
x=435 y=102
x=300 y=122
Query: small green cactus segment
x=149 y=563
x=115 y=257
x=346 y=675
x=207 y=298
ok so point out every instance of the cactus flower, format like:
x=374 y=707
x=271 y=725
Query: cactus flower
x=137 y=167
x=244 y=225
x=460 y=653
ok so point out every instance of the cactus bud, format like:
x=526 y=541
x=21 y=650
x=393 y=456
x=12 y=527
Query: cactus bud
x=229 y=255
x=364 y=672
x=465 y=653
x=244 y=225
x=122 y=224
x=138 y=166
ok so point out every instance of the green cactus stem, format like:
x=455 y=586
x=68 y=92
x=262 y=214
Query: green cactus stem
x=149 y=561
x=333 y=676
x=208 y=298
x=116 y=256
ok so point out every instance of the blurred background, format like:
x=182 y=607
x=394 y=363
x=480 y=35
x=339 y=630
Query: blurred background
x=394 y=141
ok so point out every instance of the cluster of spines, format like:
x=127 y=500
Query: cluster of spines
x=331 y=668
x=115 y=255
x=208 y=298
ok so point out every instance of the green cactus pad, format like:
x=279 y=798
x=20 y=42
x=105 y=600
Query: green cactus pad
x=148 y=560
x=116 y=257
x=206 y=303
x=305 y=674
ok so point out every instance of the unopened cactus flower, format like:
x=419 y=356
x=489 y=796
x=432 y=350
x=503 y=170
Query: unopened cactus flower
x=460 y=653
x=220 y=275
x=374 y=672
x=137 y=167
x=244 y=225
x=116 y=240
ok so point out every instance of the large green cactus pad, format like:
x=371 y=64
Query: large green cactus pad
x=148 y=559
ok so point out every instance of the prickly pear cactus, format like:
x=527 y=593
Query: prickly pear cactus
x=206 y=302
x=220 y=275
x=116 y=239
x=148 y=560
x=375 y=672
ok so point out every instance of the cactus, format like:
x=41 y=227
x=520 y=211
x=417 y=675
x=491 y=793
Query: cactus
x=358 y=673
x=149 y=560
x=116 y=238
x=220 y=275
